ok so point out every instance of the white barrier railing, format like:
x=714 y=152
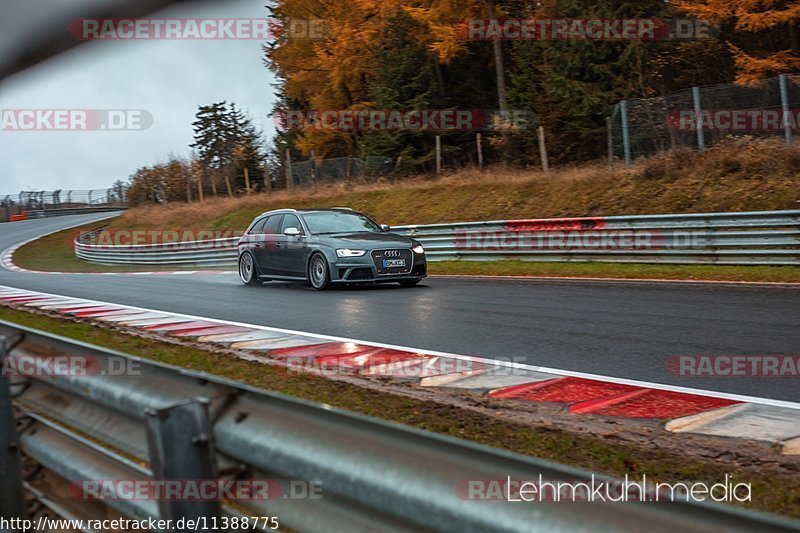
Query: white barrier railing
x=751 y=238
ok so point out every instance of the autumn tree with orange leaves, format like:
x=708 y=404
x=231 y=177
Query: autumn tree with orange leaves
x=394 y=54
x=762 y=35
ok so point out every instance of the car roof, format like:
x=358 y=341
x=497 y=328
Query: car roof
x=302 y=211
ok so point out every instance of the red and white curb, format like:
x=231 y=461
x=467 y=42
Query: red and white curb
x=683 y=410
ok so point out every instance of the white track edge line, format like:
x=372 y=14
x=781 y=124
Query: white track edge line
x=8 y=253
x=659 y=281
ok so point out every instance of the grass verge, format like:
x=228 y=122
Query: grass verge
x=771 y=274
x=777 y=494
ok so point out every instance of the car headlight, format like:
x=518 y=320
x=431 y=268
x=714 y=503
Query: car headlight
x=418 y=249
x=350 y=253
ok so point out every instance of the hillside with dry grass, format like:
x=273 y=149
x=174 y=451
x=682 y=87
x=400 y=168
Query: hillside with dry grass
x=743 y=175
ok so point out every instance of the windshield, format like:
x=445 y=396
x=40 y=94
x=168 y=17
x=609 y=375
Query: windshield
x=338 y=222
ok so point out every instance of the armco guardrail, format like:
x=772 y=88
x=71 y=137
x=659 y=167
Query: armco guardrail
x=750 y=238
x=47 y=213
x=43 y=204
x=154 y=423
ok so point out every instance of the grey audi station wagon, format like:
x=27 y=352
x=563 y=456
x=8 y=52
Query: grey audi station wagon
x=325 y=246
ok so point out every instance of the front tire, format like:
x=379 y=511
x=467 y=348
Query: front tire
x=247 y=270
x=319 y=274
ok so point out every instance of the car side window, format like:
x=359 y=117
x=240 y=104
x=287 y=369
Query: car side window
x=273 y=225
x=257 y=227
x=291 y=221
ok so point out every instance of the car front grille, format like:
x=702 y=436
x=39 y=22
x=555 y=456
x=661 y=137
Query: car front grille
x=360 y=274
x=379 y=256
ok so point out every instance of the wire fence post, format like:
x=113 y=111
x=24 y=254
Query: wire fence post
x=438 y=155
x=479 y=143
x=543 y=150
x=181 y=448
x=12 y=497
x=626 y=138
x=289 y=177
x=698 y=115
x=314 y=168
x=787 y=122
x=397 y=167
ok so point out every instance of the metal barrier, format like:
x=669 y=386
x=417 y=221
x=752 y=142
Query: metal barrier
x=152 y=422
x=750 y=238
x=73 y=211
x=65 y=198
x=44 y=204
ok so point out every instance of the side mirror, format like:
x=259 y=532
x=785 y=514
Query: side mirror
x=385 y=227
x=292 y=232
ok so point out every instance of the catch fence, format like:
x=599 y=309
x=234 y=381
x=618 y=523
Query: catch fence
x=702 y=117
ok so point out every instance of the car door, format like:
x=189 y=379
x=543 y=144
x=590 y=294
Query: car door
x=267 y=246
x=291 y=252
x=252 y=240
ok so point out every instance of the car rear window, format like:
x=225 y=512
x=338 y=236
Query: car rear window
x=257 y=227
x=273 y=225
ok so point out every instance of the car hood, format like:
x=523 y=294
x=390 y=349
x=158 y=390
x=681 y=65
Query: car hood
x=371 y=239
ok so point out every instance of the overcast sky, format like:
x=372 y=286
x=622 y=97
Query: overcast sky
x=167 y=78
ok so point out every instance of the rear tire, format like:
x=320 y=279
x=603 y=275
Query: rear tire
x=319 y=274
x=247 y=270
x=410 y=282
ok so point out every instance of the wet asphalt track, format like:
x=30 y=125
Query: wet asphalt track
x=621 y=329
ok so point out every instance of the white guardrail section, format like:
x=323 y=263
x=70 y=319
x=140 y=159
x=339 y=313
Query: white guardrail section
x=748 y=238
x=62 y=435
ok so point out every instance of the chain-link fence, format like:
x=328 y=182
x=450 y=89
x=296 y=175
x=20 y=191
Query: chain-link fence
x=43 y=201
x=341 y=169
x=703 y=116
x=64 y=199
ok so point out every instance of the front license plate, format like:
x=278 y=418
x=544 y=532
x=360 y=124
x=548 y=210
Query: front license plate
x=394 y=263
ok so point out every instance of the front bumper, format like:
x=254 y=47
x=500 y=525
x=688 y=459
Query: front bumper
x=363 y=270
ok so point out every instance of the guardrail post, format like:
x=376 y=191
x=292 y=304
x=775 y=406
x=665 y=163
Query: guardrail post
x=698 y=115
x=787 y=122
x=181 y=448
x=12 y=497
x=626 y=135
